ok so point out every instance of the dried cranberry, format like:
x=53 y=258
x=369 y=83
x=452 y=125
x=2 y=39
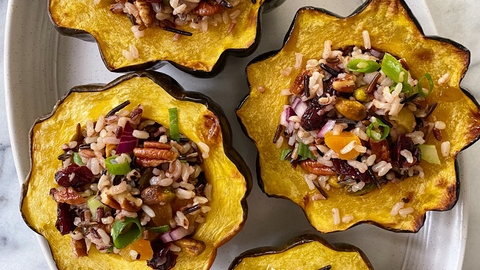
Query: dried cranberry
x=313 y=117
x=163 y=258
x=405 y=143
x=74 y=176
x=342 y=167
x=65 y=218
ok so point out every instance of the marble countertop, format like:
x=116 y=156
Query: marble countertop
x=457 y=20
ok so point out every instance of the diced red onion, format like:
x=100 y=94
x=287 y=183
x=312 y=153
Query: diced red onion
x=127 y=141
x=295 y=102
x=177 y=234
x=326 y=128
x=300 y=108
x=290 y=127
x=287 y=112
x=292 y=140
x=283 y=118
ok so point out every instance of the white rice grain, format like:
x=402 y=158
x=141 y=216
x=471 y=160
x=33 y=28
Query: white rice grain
x=298 y=60
x=327 y=49
x=396 y=208
x=407 y=155
x=445 y=148
x=347 y=218
x=405 y=211
x=371 y=160
x=148 y=210
x=366 y=40
x=440 y=125
x=205 y=149
x=445 y=78
x=336 y=216
x=309 y=181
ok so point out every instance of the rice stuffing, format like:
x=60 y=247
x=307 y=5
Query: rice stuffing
x=351 y=116
x=130 y=174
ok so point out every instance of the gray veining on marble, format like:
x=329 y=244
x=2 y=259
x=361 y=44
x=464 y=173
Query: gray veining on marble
x=19 y=249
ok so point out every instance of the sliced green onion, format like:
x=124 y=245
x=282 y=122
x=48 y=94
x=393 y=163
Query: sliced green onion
x=429 y=153
x=364 y=66
x=374 y=132
x=94 y=204
x=430 y=84
x=159 y=229
x=127 y=232
x=110 y=249
x=305 y=152
x=183 y=161
x=117 y=168
x=78 y=159
x=392 y=68
x=173 y=118
x=407 y=88
x=284 y=153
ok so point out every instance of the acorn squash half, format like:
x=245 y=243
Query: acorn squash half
x=157 y=92
x=202 y=54
x=305 y=252
x=392 y=29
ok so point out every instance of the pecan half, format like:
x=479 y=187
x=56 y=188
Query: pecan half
x=380 y=149
x=345 y=84
x=68 y=195
x=299 y=83
x=154 y=153
x=315 y=167
x=207 y=8
x=122 y=201
x=158 y=145
x=149 y=162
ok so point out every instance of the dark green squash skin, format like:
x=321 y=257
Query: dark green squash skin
x=171 y=86
x=153 y=65
x=296 y=241
x=270 y=54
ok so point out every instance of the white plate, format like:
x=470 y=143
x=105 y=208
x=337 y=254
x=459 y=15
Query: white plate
x=41 y=65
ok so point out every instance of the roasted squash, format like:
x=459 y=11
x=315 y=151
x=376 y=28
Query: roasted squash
x=201 y=54
x=198 y=116
x=305 y=252
x=392 y=29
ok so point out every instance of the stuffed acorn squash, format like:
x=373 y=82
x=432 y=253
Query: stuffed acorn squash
x=128 y=181
x=192 y=36
x=370 y=109
x=305 y=252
